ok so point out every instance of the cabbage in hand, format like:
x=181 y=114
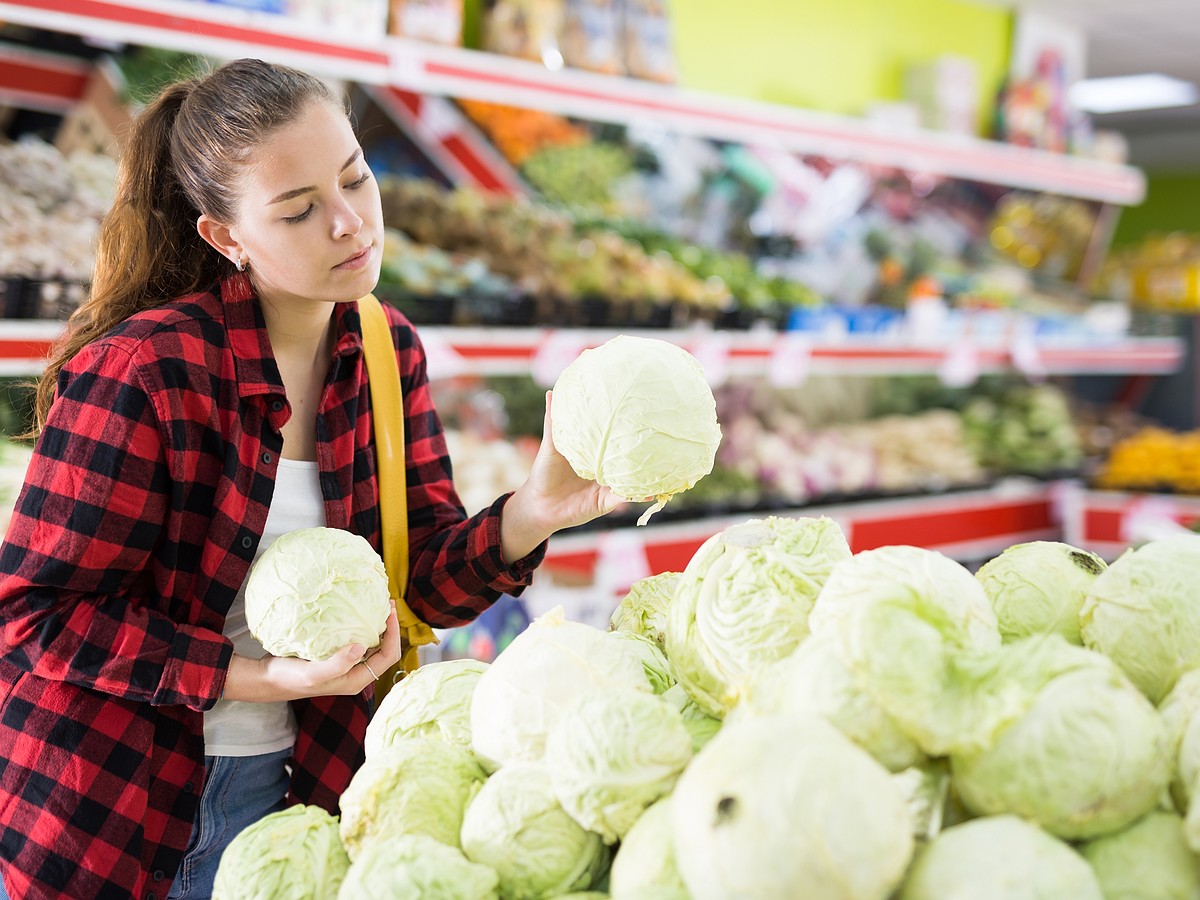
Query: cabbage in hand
x=636 y=415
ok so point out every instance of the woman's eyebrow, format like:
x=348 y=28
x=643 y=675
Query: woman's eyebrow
x=296 y=192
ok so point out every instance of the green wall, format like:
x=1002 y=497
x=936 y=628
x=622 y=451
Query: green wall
x=837 y=56
x=1172 y=204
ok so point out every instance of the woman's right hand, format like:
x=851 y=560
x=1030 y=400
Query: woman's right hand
x=349 y=671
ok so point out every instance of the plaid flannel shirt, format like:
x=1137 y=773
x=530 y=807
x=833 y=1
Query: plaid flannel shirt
x=137 y=523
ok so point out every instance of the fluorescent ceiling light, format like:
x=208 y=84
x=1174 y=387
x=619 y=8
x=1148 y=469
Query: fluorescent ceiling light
x=1130 y=92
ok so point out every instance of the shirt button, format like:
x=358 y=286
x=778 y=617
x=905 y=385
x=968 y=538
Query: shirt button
x=247 y=542
x=158 y=875
x=266 y=457
x=276 y=405
x=188 y=787
x=152 y=896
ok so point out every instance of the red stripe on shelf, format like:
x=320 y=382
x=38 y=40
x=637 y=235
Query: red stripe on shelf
x=407 y=99
x=148 y=18
x=484 y=177
x=1103 y=525
x=30 y=348
x=48 y=80
x=985 y=160
x=494 y=351
x=935 y=529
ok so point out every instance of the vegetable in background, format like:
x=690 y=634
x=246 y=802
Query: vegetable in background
x=999 y=858
x=295 y=852
x=434 y=702
x=1039 y=587
x=743 y=602
x=636 y=415
x=644 y=609
x=1141 y=613
x=614 y=753
x=516 y=825
x=1149 y=860
x=416 y=867
x=316 y=590
x=786 y=806
x=416 y=786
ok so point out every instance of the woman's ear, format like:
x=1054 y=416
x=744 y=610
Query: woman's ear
x=221 y=238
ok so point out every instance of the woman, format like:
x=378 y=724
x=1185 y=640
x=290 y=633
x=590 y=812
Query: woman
x=210 y=396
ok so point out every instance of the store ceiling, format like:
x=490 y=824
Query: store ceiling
x=1129 y=38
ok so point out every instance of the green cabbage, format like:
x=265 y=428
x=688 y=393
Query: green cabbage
x=1141 y=613
x=613 y=754
x=415 y=867
x=999 y=858
x=434 y=701
x=699 y=724
x=654 y=662
x=1039 y=587
x=901 y=619
x=1084 y=753
x=547 y=668
x=644 y=609
x=814 y=679
x=1149 y=860
x=645 y=861
x=315 y=591
x=517 y=826
x=786 y=806
x=292 y=853
x=743 y=602
x=415 y=786
x=637 y=415
x=1182 y=726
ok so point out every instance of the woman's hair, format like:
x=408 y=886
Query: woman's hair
x=183 y=157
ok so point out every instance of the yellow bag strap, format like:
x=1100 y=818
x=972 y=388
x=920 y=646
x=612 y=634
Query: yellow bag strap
x=383 y=375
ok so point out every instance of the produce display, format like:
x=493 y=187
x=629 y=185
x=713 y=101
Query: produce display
x=636 y=415
x=1024 y=428
x=1153 y=459
x=519 y=133
x=869 y=732
x=1162 y=273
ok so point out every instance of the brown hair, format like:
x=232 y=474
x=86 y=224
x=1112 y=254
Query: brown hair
x=183 y=156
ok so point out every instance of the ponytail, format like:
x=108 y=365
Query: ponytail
x=183 y=157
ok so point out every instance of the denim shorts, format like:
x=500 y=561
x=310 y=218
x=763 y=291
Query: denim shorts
x=238 y=791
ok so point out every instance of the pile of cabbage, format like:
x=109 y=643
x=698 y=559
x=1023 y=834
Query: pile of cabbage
x=787 y=719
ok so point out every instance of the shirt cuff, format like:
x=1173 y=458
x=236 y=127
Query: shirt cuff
x=196 y=668
x=494 y=570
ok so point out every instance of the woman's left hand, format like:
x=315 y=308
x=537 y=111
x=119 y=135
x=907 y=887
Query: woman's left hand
x=551 y=499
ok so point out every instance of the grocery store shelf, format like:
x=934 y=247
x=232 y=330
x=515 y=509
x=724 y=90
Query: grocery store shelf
x=786 y=358
x=966 y=525
x=35 y=79
x=1109 y=522
x=430 y=69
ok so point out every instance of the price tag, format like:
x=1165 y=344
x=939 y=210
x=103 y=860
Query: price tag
x=712 y=352
x=790 y=360
x=621 y=560
x=554 y=354
x=960 y=366
x=441 y=359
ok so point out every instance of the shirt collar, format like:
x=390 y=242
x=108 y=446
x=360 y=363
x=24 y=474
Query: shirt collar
x=247 y=329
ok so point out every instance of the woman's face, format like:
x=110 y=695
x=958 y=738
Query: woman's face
x=309 y=221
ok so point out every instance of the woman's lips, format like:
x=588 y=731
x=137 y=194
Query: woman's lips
x=357 y=261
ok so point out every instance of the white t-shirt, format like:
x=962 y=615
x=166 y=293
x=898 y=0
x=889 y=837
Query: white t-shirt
x=241 y=727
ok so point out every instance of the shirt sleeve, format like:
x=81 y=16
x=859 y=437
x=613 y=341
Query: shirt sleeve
x=456 y=568
x=74 y=601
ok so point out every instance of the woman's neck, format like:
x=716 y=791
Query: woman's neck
x=301 y=332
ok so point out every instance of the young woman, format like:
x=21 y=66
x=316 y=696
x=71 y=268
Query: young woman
x=210 y=396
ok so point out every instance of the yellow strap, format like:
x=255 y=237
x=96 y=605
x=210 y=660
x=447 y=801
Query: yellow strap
x=383 y=375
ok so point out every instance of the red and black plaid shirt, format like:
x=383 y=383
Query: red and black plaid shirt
x=139 y=518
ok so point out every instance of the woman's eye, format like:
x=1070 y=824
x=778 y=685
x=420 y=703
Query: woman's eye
x=299 y=218
x=358 y=182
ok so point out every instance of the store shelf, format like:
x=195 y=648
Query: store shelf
x=1109 y=522
x=966 y=525
x=786 y=358
x=35 y=79
x=430 y=69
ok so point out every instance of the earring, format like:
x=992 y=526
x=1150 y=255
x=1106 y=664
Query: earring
x=241 y=264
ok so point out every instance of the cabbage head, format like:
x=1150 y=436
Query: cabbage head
x=654 y=661
x=434 y=701
x=1086 y=756
x=1141 y=612
x=743 y=602
x=517 y=826
x=644 y=609
x=546 y=668
x=645 y=862
x=999 y=858
x=1182 y=725
x=1039 y=587
x=699 y=724
x=636 y=415
x=315 y=591
x=613 y=754
x=416 y=786
x=1149 y=860
x=295 y=852
x=416 y=867
x=901 y=617
x=786 y=806
x=815 y=679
